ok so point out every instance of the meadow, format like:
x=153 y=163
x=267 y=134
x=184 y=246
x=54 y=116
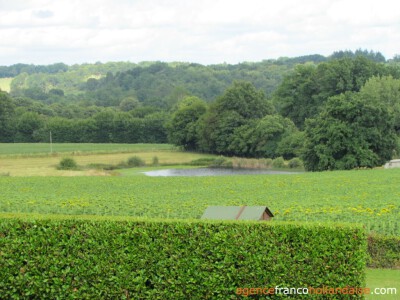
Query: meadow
x=45 y=149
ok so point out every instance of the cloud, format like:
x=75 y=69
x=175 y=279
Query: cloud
x=43 y=14
x=204 y=31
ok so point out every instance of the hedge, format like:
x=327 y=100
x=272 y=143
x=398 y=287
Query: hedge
x=384 y=251
x=136 y=259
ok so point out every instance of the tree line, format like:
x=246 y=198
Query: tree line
x=338 y=113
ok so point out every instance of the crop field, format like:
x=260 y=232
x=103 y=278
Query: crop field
x=369 y=197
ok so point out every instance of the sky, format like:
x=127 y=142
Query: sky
x=199 y=31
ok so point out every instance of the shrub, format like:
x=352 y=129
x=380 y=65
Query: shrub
x=155 y=161
x=135 y=161
x=99 y=166
x=67 y=163
x=278 y=162
x=220 y=161
x=137 y=259
x=204 y=161
x=295 y=163
x=384 y=251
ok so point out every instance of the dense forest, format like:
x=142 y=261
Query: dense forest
x=336 y=112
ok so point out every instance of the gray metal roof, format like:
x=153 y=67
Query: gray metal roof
x=235 y=212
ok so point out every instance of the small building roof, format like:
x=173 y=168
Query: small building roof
x=237 y=213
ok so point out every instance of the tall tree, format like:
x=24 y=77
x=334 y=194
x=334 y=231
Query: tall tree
x=384 y=90
x=349 y=133
x=183 y=127
x=240 y=104
x=6 y=114
x=304 y=92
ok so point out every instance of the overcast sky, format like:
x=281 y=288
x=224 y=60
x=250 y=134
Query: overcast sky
x=202 y=31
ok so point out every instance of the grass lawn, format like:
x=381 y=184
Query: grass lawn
x=383 y=278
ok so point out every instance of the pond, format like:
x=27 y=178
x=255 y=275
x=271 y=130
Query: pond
x=214 y=172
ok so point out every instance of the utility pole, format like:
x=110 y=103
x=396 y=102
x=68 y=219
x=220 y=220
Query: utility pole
x=51 y=144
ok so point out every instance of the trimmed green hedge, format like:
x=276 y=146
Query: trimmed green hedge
x=93 y=259
x=384 y=251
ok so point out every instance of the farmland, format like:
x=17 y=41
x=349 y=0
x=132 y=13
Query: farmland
x=36 y=160
x=45 y=149
x=369 y=197
x=34 y=189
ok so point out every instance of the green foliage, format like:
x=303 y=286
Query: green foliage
x=6 y=114
x=173 y=260
x=291 y=145
x=184 y=124
x=28 y=127
x=295 y=163
x=278 y=162
x=155 y=161
x=67 y=163
x=135 y=161
x=209 y=161
x=304 y=92
x=384 y=251
x=350 y=133
x=129 y=103
x=384 y=90
x=230 y=121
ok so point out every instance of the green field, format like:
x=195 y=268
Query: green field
x=41 y=149
x=5 y=84
x=383 y=278
x=369 y=197
x=35 y=160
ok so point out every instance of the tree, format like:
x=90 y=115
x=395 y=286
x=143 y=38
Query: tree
x=28 y=127
x=129 y=103
x=6 y=114
x=384 y=90
x=261 y=137
x=183 y=127
x=239 y=105
x=243 y=98
x=349 y=133
x=295 y=97
x=304 y=92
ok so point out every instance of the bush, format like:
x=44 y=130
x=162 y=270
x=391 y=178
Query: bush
x=67 y=163
x=218 y=162
x=384 y=251
x=155 y=161
x=295 y=163
x=100 y=166
x=136 y=161
x=137 y=259
x=204 y=161
x=278 y=162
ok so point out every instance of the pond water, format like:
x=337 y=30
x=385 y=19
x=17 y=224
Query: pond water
x=213 y=172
